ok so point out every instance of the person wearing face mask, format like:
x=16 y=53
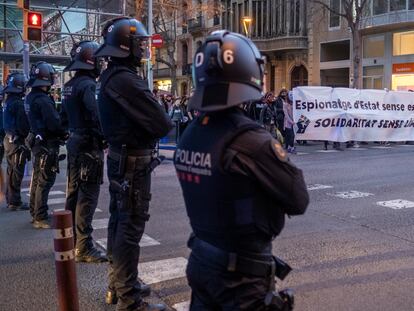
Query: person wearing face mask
x=85 y=148
x=132 y=121
x=46 y=134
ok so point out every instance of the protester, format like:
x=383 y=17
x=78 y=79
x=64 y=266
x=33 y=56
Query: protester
x=288 y=124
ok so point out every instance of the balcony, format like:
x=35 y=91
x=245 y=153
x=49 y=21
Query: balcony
x=388 y=20
x=195 y=24
x=281 y=43
x=186 y=70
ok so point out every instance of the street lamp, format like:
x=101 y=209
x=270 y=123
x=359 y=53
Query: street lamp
x=247 y=23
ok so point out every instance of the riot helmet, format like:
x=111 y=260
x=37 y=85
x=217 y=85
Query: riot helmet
x=15 y=83
x=123 y=37
x=41 y=74
x=82 y=57
x=227 y=71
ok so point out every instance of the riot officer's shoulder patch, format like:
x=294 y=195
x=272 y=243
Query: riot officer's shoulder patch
x=278 y=150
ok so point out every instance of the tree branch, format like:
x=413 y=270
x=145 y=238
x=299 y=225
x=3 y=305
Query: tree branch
x=327 y=7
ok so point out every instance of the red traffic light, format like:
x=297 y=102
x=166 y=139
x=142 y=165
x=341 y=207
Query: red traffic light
x=34 y=19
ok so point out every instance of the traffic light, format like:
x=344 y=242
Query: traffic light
x=23 y=4
x=33 y=26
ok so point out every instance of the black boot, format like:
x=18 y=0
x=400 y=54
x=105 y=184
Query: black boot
x=19 y=207
x=112 y=299
x=41 y=224
x=91 y=255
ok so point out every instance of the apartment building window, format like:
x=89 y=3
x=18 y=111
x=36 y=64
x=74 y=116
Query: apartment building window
x=373 y=46
x=373 y=77
x=398 y=5
x=403 y=43
x=380 y=6
x=334 y=19
x=411 y=4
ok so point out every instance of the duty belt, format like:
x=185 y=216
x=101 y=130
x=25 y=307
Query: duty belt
x=260 y=266
x=117 y=156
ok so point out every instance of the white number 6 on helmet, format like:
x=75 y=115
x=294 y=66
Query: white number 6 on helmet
x=228 y=57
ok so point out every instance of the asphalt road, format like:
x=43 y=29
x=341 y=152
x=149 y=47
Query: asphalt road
x=352 y=250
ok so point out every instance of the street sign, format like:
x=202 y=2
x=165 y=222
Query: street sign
x=157 y=41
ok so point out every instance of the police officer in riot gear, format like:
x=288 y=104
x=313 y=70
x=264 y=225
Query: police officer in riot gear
x=132 y=121
x=237 y=182
x=85 y=147
x=46 y=134
x=16 y=128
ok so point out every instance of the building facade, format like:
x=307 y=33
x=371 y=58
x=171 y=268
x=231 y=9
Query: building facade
x=279 y=28
x=387 y=30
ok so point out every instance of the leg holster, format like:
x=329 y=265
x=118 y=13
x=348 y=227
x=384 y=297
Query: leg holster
x=90 y=168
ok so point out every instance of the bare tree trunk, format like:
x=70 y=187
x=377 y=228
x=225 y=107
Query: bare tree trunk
x=356 y=62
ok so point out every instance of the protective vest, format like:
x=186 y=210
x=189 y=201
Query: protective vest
x=227 y=210
x=32 y=105
x=117 y=128
x=78 y=116
x=14 y=118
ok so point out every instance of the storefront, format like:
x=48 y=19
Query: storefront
x=403 y=77
x=164 y=85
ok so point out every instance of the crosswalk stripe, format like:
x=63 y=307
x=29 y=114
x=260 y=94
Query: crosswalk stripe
x=100 y=223
x=357 y=149
x=145 y=242
x=318 y=187
x=55 y=185
x=381 y=147
x=327 y=151
x=162 y=270
x=56 y=201
x=55 y=192
x=182 y=306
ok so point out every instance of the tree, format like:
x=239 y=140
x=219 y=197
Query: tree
x=352 y=11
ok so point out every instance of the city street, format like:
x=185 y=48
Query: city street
x=352 y=250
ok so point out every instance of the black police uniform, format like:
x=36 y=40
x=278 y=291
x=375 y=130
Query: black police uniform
x=85 y=155
x=238 y=184
x=45 y=137
x=131 y=117
x=16 y=127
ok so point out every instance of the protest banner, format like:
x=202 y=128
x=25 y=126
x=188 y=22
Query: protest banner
x=341 y=114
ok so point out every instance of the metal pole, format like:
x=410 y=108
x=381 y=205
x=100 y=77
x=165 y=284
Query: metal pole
x=26 y=60
x=67 y=287
x=150 y=32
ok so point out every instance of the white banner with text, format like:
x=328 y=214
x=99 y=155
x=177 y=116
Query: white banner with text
x=341 y=114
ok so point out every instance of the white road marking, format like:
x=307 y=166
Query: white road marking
x=55 y=192
x=381 y=147
x=162 y=270
x=56 y=201
x=55 y=185
x=98 y=210
x=406 y=145
x=397 y=204
x=353 y=194
x=145 y=242
x=318 y=187
x=302 y=153
x=357 y=149
x=100 y=223
x=327 y=151
x=182 y=306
